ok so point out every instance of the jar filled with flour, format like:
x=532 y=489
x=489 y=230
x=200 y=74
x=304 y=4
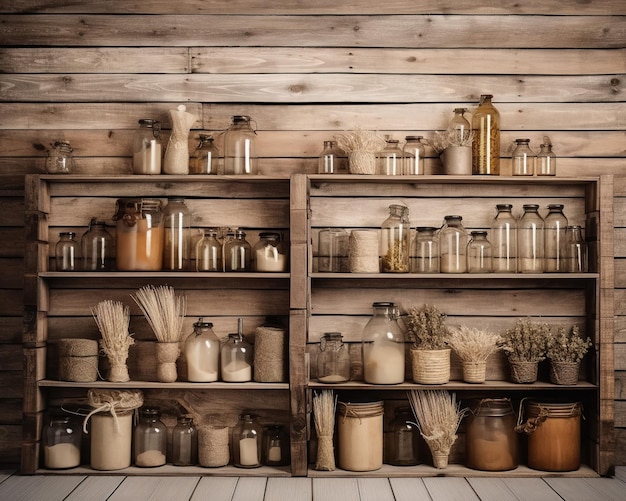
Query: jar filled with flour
x=383 y=346
x=150 y=438
x=62 y=440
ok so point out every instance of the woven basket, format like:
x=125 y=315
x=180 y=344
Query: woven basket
x=474 y=372
x=564 y=372
x=213 y=448
x=430 y=366
x=524 y=372
x=78 y=360
x=362 y=162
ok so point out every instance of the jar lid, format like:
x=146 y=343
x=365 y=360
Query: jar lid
x=523 y=140
x=425 y=228
x=413 y=138
x=70 y=234
x=479 y=233
x=205 y=137
x=450 y=218
x=269 y=234
x=530 y=206
x=493 y=407
x=241 y=118
x=332 y=335
x=555 y=206
x=504 y=206
x=460 y=110
x=148 y=122
x=383 y=304
x=150 y=411
x=201 y=323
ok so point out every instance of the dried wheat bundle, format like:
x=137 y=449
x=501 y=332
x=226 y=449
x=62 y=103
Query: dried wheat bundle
x=113 y=319
x=360 y=140
x=438 y=417
x=324 y=404
x=164 y=311
x=472 y=344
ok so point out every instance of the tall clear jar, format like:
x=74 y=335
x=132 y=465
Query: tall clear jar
x=60 y=160
x=486 y=143
x=236 y=359
x=555 y=224
x=67 y=252
x=239 y=147
x=333 y=359
x=237 y=253
x=97 y=247
x=389 y=159
x=147 y=148
x=150 y=438
x=177 y=226
x=202 y=353
x=184 y=442
x=247 y=440
x=523 y=159
x=504 y=240
x=575 y=254
x=413 y=153
x=383 y=346
x=332 y=159
x=269 y=254
x=460 y=125
x=61 y=443
x=395 y=240
x=453 y=239
x=402 y=439
x=209 y=252
x=479 y=253
x=206 y=157
x=530 y=244
x=425 y=250
x=332 y=250
x=546 y=161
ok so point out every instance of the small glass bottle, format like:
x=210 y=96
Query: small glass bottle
x=332 y=159
x=202 y=353
x=333 y=249
x=546 y=161
x=97 y=247
x=479 y=253
x=402 y=439
x=523 y=159
x=413 y=153
x=333 y=359
x=184 y=442
x=383 y=346
x=239 y=147
x=177 y=226
x=504 y=240
x=425 y=250
x=206 y=157
x=150 y=438
x=389 y=159
x=575 y=250
x=147 y=149
x=453 y=240
x=237 y=252
x=247 y=437
x=554 y=239
x=269 y=254
x=275 y=450
x=209 y=252
x=67 y=251
x=486 y=143
x=236 y=358
x=395 y=240
x=62 y=442
x=461 y=126
x=60 y=159
x=530 y=241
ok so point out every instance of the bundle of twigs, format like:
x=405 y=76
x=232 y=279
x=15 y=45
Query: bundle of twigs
x=113 y=319
x=361 y=147
x=324 y=404
x=438 y=417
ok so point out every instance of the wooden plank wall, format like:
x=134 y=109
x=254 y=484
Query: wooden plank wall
x=87 y=71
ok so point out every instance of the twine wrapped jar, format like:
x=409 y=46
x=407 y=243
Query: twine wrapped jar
x=78 y=360
x=270 y=350
x=363 y=255
x=213 y=446
x=167 y=353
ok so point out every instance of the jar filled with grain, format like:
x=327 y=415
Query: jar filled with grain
x=150 y=438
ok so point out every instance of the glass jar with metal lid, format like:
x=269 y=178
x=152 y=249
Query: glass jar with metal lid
x=333 y=359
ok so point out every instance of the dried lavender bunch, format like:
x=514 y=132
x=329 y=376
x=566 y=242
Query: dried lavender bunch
x=426 y=328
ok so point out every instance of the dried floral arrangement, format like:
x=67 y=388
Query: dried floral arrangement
x=472 y=344
x=450 y=137
x=526 y=341
x=567 y=345
x=426 y=327
x=361 y=147
x=113 y=320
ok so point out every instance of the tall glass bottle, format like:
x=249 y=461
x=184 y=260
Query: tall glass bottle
x=150 y=438
x=239 y=147
x=147 y=150
x=554 y=239
x=486 y=143
x=209 y=252
x=460 y=125
x=523 y=159
x=530 y=246
x=389 y=159
x=177 y=226
x=546 y=161
x=504 y=240
x=383 y=346
x=402 y=439
x=413 y=153
x=236 y=358
x=206 y=156
x=184 y=442
x=202 y=353
x=395 y=240
x=237 y=253
x=575 y=250
x=332 y=159
x=97 y=247
x=453 y=239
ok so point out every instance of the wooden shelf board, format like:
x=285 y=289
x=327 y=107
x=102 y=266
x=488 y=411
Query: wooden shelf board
x=178 y=471
x=158 y=274
x=453 y=385
x=181 y=385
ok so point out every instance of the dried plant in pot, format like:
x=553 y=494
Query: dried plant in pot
x=525 y=346
x=473 y=346
x=565 y=349
x=430 y=353
x=455 y=151
x=361 y=147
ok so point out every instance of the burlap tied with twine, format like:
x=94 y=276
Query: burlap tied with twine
x=78 y=360
x=270 y=355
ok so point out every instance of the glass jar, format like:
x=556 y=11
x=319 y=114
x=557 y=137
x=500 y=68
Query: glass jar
x=332 y=159
x=523 y=159
x=461 y=126
x=236 y=359
x=554 y=239
x=453 y=240
x=184 y=442
x=395 y=240
x=147 y=149
x=177 y=226
x=269 y=254
x=575 y=255
x=491 y=440
x=202 y=353
x=67 y=252
x=383 y=346
x=97 y=247
x=139 y=225
x=275 y=450
x=402 y=439
x=237 y=252
x=504 y=240
x=60 y=159
x=209 y=252
x=150 y=438
x=546 y=161
x=333 y=359
x=479 y=253
x=333 y=249
x=239 y=147
x=413 y=153
x=247 y=436
x=389 y=160
x=62 y=442
x=530 y=240
x=425 y=250
x=486 y=143
x=205 y=158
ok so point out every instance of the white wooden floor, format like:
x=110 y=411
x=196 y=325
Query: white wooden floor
x=14 y=487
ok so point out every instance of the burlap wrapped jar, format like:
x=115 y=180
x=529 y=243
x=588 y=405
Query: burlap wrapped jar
x=78 y=360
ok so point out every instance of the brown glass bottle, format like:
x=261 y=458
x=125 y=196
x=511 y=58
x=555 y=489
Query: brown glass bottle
x=486 y=143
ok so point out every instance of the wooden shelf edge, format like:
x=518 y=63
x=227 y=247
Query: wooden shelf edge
x=159 y=274
x=178 y=471
x=465 y=276
x=178 y=385
x=453 y=385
